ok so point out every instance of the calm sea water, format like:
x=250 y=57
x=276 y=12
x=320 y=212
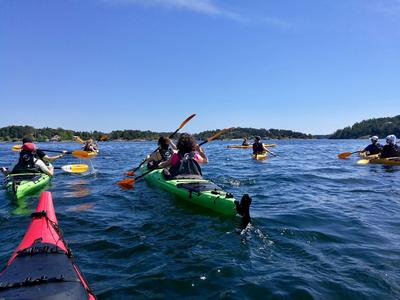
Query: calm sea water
x=323 y=228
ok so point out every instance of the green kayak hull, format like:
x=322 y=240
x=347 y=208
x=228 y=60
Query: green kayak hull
x=21 y=185
x=216 y=200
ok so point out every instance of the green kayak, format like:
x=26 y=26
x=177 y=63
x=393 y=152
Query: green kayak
x=200 y=192
x=21 y=185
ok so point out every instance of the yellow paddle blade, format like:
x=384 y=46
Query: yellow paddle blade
x=344 y=155
x=362 y=162
x=80 y=154
x=78 y=139
x=16 y=148
x=77 y=168
x=218 y=134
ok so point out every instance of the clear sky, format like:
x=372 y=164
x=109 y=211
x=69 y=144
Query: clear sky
x=306 y=65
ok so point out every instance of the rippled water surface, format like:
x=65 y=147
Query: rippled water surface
x=322 y=228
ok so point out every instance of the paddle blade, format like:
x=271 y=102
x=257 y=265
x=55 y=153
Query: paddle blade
x=80 y=154
x=103 y=138
x=78 y=139
x=344 y=155
x=362 y=162
x=186 y=121
x=130 y=173
x=127 y=183
x=216 y=135
x=16 y=148
x=78 y=168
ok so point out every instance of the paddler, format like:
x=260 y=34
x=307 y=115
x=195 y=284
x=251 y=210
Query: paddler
x=245 y=142
x=390 y=149
x=41 y=155
x=259 y=148
x=90 y=146
x=29 y=161
x=164 y=152
x=186 y=161
x=374 y=148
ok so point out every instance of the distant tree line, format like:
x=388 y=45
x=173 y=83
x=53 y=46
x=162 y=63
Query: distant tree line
x=14 y=133
x=380 y=127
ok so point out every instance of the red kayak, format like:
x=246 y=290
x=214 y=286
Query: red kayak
x=42 y=267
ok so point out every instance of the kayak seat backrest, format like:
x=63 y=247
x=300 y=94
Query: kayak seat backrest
x=199 y=186
x=46 y=273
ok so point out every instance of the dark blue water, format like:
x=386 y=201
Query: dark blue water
x=323 y=228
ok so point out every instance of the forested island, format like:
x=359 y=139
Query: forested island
x=16 y=133
x=365 y=129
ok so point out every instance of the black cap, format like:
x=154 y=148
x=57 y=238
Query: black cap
x=27 y=140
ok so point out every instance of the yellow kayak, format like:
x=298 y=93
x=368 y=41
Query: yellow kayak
x=92 y=154
x=261 y=156
x=249 y=146
x=391 y=161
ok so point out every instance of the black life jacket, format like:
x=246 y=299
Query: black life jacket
x=390 y=151
x=258 y=148
x=26 y=163
x=186 y=167
x=165 y=155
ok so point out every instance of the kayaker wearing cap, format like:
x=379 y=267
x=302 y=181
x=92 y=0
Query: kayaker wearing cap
x=259 y=148
x=186 y=162
x=390 y=149
x=374 y=148
x=245 y=142
x=29 y=161
x=43 y=156
x=164 y=152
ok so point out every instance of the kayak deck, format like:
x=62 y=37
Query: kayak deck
x=248 y=146
x=200 y=192
x=42 y=266
x=261 y=156
x=24 y=184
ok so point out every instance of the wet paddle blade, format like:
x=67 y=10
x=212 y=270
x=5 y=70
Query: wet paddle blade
x=78 y=139
x=344 y=155
x=77 y=168
x=126 y=183
x=362 y=162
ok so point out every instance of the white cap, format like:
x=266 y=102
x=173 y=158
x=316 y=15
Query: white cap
x=391 y=139
x=374 y=138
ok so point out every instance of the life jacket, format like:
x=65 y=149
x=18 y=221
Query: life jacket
x=390 y=151
x=258 y=148
x=165 y=155
x=26 y=163
x=374 y=148
x=186 y=167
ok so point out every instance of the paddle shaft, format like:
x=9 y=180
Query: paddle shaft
x=171 y=136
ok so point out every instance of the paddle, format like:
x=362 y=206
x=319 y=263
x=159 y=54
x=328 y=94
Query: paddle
x=127 y=183
x=75 y=168
x=362 y=161
x=76 y=153
x=171 y=136
x=345 y=155
x=78 y=139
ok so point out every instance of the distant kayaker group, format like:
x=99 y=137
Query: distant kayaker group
x=390 y=149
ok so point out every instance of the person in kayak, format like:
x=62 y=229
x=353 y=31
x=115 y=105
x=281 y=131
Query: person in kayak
x=245 y=142
x=90 y=146
x=29 y=161
x=374 y=148
x=164 y=152
x=259 y=148
x=390 y=149
x=186 y=162
x=42 y=155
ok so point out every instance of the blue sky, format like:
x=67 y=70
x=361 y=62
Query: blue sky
x=307 y=65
